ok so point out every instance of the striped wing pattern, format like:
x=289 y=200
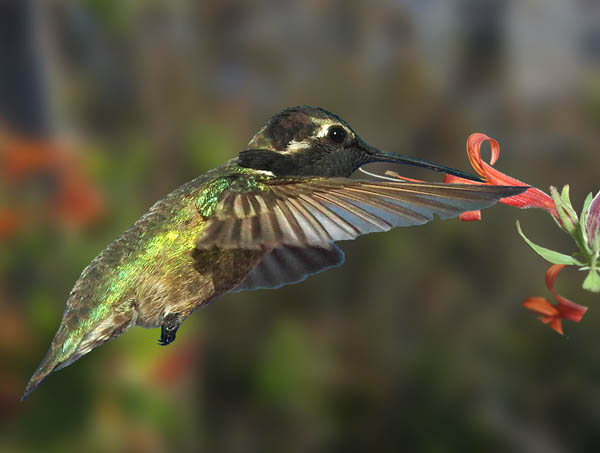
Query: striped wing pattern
x=288 y=264
x=317 y=212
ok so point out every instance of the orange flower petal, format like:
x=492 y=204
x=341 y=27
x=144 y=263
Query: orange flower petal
x=540 y=306
x=551 y=275
x=451 y=179
x=552 y=315
x=531 y=198
x=568 y=309
x=470 y=216
x=556 y=324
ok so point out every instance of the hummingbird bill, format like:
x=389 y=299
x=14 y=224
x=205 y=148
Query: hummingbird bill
x=269 y=217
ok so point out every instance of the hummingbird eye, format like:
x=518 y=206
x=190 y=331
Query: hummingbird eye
x=337 y=134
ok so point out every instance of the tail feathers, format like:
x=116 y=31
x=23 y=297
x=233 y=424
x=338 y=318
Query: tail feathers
x=76 y=337
x=62 y=353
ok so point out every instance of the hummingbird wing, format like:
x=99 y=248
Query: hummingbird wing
x=315 y=212
x=285 y=264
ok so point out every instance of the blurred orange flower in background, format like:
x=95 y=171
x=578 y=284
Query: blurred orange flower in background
x=68 y=198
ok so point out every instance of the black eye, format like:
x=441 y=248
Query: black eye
x=337 y=134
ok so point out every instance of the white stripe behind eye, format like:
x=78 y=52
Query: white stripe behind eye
x=294 y=146
x=264 y=172
x=323 y=130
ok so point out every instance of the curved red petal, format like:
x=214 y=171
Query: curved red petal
x=551 y=275
x=451 y=179
x=570 y=310
x=567 y=308
x=551 y=316
x=541 y=306
x=556 y=324
x=474 y=142
x=531 y=198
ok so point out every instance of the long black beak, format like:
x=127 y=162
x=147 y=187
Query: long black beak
x=377 y=155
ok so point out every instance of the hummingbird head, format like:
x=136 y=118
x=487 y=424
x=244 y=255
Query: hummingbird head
x=310 y=141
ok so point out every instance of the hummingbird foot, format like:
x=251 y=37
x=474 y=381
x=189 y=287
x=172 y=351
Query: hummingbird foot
x=168 y=330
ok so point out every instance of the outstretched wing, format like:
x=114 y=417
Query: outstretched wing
x=315 y=212
x=285 y=264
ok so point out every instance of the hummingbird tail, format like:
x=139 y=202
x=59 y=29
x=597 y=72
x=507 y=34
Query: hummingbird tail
x=74 y=339
x=62 y=352
x=38 y=376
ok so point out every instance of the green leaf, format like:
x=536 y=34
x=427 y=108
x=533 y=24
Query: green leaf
x=592 y=281
x=547 y=254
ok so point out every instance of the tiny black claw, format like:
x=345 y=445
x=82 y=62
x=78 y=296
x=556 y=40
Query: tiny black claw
x=168 y=330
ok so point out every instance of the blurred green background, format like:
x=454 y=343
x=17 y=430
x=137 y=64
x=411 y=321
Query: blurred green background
x=417 y=343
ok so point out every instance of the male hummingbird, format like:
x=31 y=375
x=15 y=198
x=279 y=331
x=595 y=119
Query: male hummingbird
x=266 y=218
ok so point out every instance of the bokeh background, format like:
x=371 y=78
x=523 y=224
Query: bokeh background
x=418 y=343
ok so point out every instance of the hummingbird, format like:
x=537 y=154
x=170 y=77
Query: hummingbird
x=266 y=218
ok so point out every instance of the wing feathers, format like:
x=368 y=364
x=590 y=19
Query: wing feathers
x=315 y=212
x=287 y=264
x=315 y=232
x=332 y=222
x=355 y=210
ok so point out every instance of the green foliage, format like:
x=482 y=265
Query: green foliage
x=547 y=254
x=577 y=227
x=592 y=281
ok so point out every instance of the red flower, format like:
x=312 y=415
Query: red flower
x=531 y=198
x=554 y=314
